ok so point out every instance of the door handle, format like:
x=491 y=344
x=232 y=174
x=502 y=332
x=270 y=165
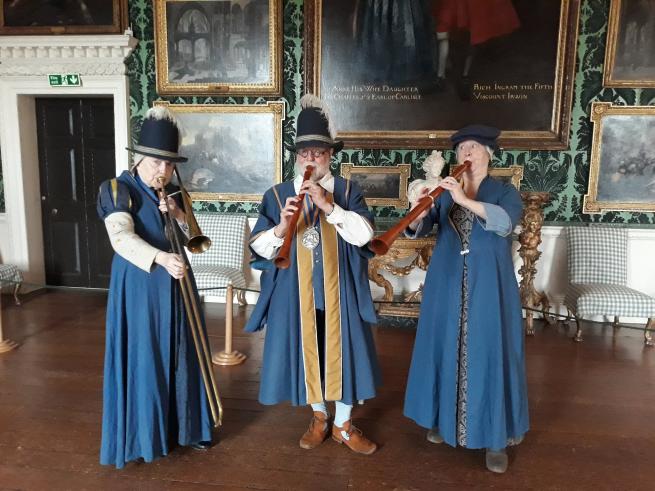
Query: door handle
x=54 y=211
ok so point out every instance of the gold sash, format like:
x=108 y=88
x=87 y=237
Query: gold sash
x=333 y=369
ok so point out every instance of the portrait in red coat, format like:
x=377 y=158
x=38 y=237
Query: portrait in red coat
x=483 y=19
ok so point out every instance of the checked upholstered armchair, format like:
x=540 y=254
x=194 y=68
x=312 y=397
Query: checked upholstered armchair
x=224 y=261
x=598 y=275
x=10 y=275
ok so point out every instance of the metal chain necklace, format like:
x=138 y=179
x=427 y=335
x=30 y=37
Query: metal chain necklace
x=310 y=237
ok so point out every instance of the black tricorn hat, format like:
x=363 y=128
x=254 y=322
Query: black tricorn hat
x=160 y=136
x=485 y=135
x=314 y=128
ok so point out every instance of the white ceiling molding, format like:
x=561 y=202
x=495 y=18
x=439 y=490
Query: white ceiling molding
x=83 y=54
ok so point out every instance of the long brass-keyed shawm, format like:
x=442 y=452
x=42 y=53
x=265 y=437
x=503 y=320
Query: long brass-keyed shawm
x=191 y=307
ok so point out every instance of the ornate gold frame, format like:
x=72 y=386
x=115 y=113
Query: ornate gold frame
x=513 y=171
x=403 y=170
x=556 y=138
x=120 y=22
x=271 y=88
x=598 y=111
x=610 y=52
x=276 y=108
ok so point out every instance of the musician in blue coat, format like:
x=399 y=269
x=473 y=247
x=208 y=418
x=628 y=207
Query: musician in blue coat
x=153 y=391
x=467 y=381
x=318 y=346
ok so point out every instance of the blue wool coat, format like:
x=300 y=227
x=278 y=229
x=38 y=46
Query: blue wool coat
x=152 y=380
x=278 y=309
x=497 y=404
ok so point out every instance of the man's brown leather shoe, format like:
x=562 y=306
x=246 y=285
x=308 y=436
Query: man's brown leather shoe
x=317 y=432
x=356 y=441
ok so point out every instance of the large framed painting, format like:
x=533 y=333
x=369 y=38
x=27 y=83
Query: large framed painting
x=218 y=47
x=234 y=150
x=381 y=185
x=63 y=16
x=630 y=49
x=408 y=73
x=622 y=167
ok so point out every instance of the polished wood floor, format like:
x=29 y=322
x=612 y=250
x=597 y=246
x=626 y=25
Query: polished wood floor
x=592 y=408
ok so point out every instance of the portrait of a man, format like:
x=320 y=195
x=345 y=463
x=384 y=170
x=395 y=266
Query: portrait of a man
x=427 y=67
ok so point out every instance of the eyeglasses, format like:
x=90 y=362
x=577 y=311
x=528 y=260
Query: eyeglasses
x=306 y=152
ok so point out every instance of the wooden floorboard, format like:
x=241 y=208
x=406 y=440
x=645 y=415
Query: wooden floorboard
x=591 y=411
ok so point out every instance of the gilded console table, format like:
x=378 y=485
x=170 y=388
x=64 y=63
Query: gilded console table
x=403 y=248
x=530 y=238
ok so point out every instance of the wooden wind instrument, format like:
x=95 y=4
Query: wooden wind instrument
x=282 y=259
x=380 y=245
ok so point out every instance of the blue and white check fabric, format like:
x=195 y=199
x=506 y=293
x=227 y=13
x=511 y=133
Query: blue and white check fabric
x=10 y=275
x=598 y=274
x=224 y=261
x=597 y=254
x=607 y=299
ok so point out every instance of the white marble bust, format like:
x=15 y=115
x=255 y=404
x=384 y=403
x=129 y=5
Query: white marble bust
x=433 y=165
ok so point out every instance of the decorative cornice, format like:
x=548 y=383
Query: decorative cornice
x=83 y=54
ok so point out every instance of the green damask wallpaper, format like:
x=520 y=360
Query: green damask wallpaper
x=563 y=173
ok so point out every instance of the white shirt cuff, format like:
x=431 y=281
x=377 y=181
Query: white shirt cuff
x=267 y=244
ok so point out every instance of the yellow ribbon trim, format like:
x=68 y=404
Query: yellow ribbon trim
x=333 y=358
x=114 y=191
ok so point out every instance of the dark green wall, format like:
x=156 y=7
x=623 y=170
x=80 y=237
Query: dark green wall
x=563 y=173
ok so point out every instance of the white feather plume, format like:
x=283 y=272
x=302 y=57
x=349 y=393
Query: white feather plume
x=160 y=112
x=310 y=100
x=163 y=112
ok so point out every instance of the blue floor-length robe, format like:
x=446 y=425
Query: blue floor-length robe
x=282 y=375
x=496 y=394
x=152 y=380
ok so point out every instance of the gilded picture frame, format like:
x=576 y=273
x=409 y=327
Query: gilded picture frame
x=381 y=185
x=234 y=150
x=195 y=54
x=525 y=88
x=629 y=53
x=30 y=17
x=622 y=166
x=513 y=174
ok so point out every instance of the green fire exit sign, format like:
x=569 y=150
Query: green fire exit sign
x=64 y=79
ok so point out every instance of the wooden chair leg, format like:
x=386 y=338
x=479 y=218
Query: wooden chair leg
x=648 y=337
x=578 y=333
x=615 y=324
x=567 y=321
x=16 y=290
x=241 y=298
